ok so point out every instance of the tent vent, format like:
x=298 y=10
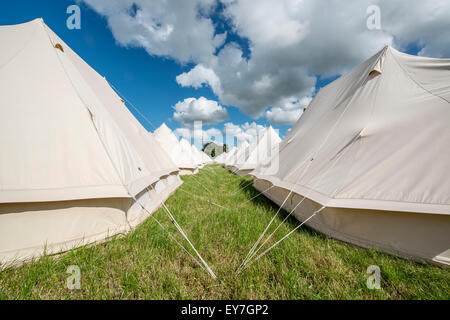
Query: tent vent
x=377 y=68
x=58 y=46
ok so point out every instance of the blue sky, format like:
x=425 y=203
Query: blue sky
x=148 y=78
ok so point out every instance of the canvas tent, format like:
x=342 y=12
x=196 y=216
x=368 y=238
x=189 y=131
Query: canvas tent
x=239 y=157
x=74 y=159
x=187 y=150
x=221 y=158
x=231 y=156
x=205 y=158
x=197 y=156
x=259 y=152
x=227 y=156
x=169 y=142
x=371 y=157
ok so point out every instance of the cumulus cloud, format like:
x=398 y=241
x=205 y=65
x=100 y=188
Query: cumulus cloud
x=289 y=113
x=198 y=77
x=236 y=83
x=290 y=42
x=175 y=29
x=425 y=24
x=246 y=132
x=207 y=111
x=279 y=116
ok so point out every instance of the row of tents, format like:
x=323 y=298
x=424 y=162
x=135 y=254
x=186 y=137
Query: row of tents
x=185 y=156
x=247 y=157
x=368 y=162
x=76 y=166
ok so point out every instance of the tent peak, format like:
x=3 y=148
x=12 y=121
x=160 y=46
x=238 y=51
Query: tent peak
x=36 y=20
x=164 y=128
x=270 y=129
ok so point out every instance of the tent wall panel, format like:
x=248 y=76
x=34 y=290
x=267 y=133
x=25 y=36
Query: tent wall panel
x=373 y=149
x=399 y=233
x=29 y=229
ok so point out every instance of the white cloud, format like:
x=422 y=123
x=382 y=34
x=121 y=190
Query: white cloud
x=191 y=109
x=246 y=132
x=425 y=23
x=279 y=116
x=231 y=132
x=184 y=133
x=289 y=113
x=175 y=29
x=271 y=23
x=252 y=129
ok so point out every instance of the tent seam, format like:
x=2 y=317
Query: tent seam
x=416 y=82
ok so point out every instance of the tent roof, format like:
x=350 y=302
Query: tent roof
x=261 y=150
x=187 y=150
x=68 y=136
x=169 y=142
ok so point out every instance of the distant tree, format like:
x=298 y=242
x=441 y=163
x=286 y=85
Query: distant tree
x=209 y=147
x=206 y=146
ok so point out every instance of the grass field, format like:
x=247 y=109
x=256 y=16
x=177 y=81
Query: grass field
x=146 y=264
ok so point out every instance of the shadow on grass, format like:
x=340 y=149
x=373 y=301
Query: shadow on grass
x=271 y=208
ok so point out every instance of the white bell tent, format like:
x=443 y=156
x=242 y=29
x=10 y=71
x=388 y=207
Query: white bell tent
x=76 y=166
x=369 y=160
x=169 y=142
x=187 y=150
x=237 y=158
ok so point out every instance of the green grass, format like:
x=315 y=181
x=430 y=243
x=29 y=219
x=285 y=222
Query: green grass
x=146 y=264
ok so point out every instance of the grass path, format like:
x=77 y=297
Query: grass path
x=146 y=264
